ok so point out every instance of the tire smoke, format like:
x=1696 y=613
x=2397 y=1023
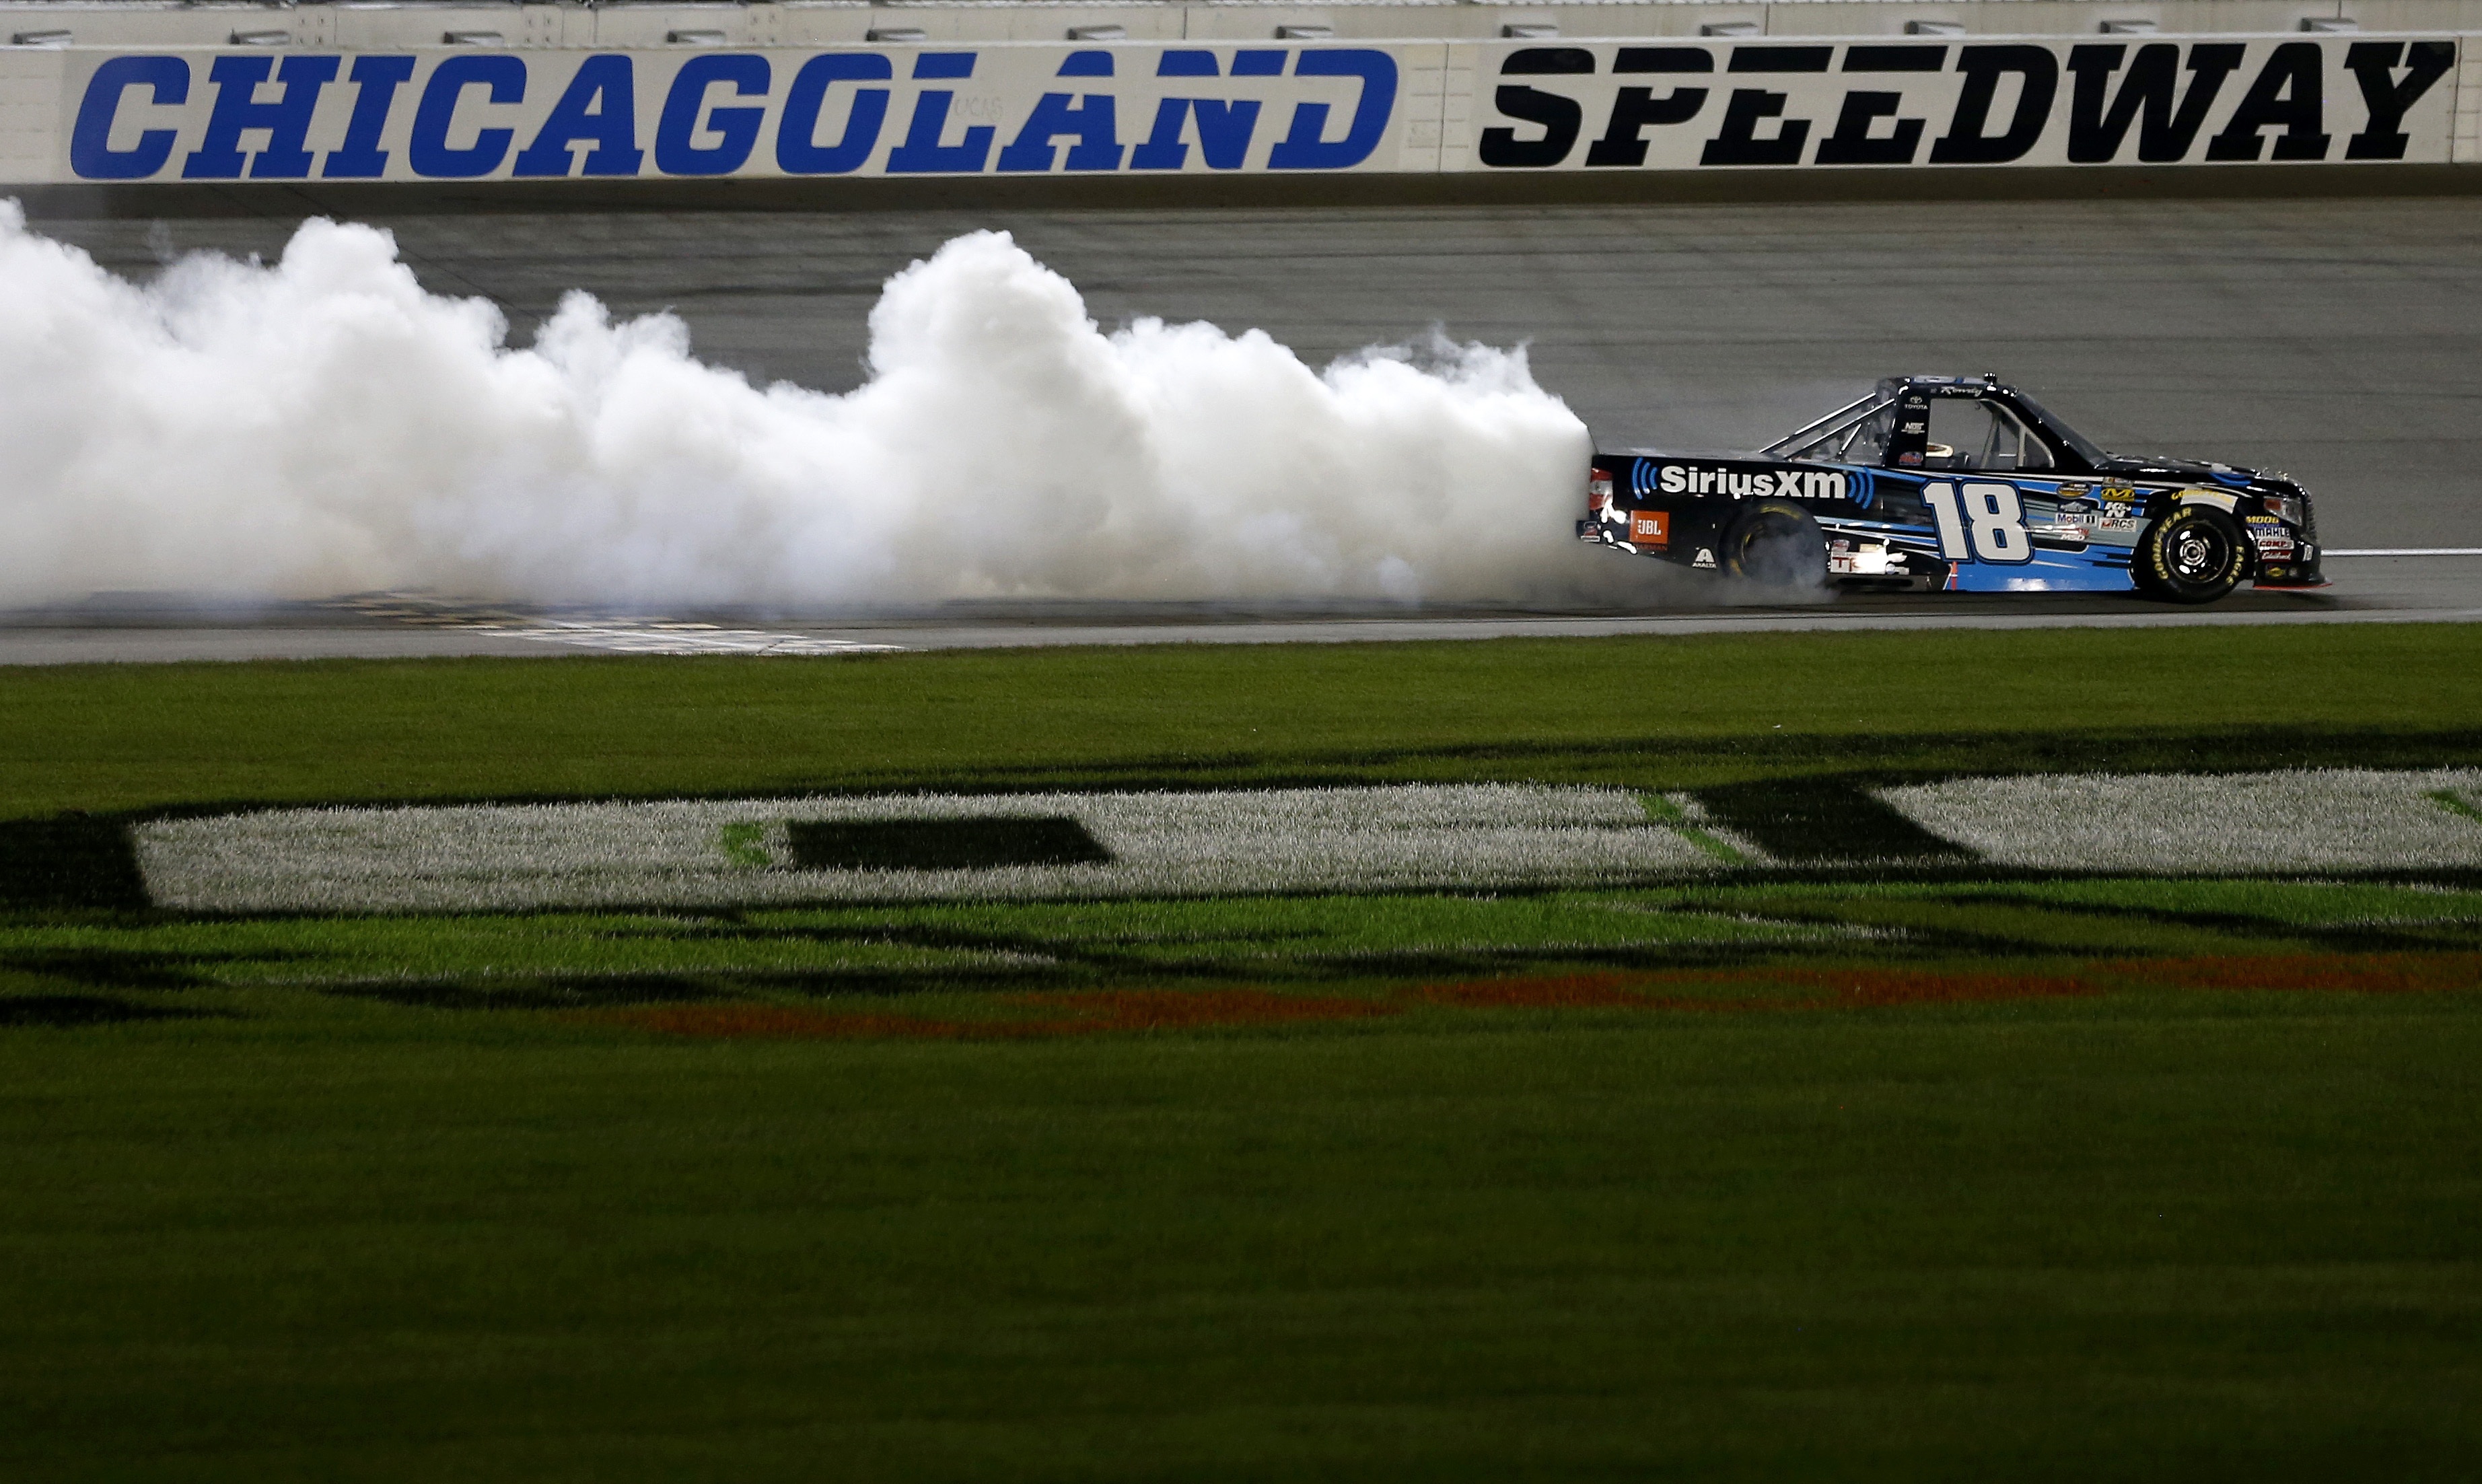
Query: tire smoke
x=323 y=425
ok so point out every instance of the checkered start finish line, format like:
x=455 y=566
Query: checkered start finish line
x=928 y=846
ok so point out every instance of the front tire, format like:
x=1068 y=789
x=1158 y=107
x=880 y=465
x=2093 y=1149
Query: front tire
x=1776 y=543
x=2194 y=555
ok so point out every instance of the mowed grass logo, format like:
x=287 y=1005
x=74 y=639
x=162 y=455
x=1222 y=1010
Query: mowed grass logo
x=738 y=852
x=1364 y=1060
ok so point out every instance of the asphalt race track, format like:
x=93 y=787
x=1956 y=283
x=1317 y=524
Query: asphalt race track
x=2333 y=338
x=120 y=627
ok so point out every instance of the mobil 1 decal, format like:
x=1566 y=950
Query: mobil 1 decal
x=2121 y=101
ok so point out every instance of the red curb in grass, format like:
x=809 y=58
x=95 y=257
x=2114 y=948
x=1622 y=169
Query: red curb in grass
x=1097 y=1012
x=1839 y=988
x=2363 y=973
x=1091 y=1013
x=2357 y=973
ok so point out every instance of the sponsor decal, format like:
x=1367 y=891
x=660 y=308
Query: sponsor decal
x=1706 y=557
x=2226 y=503
x=2273 y=539
x=1649 y=528
x=2085 y=519
x=2121 y=493
x=2071 y=491
x=1755 y=485
x=1909 y=457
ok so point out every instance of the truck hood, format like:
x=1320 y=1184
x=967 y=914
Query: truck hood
x=2176 y=468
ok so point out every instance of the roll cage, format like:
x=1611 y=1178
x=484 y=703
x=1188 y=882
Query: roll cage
x=1890 y=428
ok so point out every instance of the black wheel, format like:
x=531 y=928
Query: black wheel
x=2194 y=555
x=1776 y=543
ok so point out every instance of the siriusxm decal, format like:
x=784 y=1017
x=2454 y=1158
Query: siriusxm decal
x=472 y=115
x=1754 y=484
x=1648 y=478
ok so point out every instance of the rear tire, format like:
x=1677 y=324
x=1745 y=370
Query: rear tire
x=2194 y=555
x=1774 y=543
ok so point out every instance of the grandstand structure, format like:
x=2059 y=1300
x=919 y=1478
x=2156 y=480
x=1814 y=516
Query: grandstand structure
x=366 y=24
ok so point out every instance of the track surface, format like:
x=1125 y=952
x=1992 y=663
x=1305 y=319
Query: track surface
x=2382 y=589
x=2332 y=338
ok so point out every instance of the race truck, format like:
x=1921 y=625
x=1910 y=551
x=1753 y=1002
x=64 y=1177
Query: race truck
x=1955 y=484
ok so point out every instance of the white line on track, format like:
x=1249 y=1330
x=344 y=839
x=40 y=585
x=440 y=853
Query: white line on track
x=2407 y=551
x=681 y=640
x=626 y=635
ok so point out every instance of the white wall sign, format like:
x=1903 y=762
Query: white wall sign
x=1413 y=107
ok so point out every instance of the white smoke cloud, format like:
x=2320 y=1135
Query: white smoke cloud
x=323 y=425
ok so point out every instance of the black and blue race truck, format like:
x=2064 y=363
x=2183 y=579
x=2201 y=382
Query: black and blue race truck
x=1957 y=483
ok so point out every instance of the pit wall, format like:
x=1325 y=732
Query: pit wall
x=480 y=112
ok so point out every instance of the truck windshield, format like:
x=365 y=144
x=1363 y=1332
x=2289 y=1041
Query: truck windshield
x=1850 y=435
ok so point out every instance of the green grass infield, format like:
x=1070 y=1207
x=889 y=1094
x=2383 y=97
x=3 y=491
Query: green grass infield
x=1854 y=1157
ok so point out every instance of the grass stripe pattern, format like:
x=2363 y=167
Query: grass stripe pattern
x=1070 y=845
x=2312 y=819
x=694 y=853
